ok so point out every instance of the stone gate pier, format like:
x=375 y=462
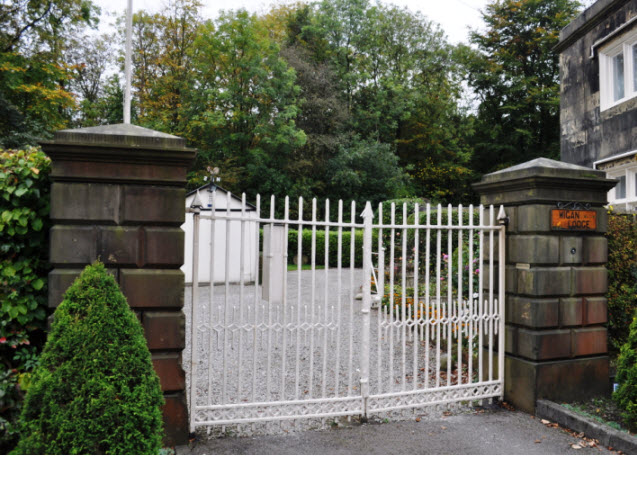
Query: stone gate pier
x=117 y=195
x=556 y=280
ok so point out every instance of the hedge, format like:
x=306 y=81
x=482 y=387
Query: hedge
x=306 y=239
x=626 y=394
x=622 y=276
x=24 y=211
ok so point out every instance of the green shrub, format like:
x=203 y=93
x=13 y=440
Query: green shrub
x=95 y=391
x=24 y=211
x=622 y=277
x=306 y=238
x=626 y=394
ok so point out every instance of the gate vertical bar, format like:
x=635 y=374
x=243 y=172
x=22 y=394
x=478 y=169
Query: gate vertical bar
x=194 y=304
x=367 y=215
x=502 y=220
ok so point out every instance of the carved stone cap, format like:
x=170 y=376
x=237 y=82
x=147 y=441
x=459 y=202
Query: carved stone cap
x=119 y=154
x=543 y=166
x=119 y=135
x=545 y=181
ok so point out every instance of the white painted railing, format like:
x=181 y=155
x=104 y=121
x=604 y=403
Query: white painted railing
x=304 y=347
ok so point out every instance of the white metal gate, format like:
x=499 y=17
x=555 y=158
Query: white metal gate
x=417 y=322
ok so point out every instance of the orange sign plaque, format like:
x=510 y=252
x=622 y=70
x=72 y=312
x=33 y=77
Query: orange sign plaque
x=582 y=220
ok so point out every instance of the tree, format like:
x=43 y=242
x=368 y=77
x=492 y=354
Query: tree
x=91 y=57
x=34 y=72
x=399 y=83
x=515 y=74
x=365 y=170
x=242 y=114
x=163 y=64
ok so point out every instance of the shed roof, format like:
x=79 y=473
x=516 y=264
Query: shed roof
x=249 y=205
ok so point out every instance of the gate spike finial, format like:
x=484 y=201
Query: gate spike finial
x=368 y=212
x=502 y=217
x=196 y=202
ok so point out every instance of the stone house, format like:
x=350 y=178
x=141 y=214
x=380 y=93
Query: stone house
x=598 y=94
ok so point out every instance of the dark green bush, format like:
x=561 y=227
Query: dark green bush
x=24 y=212
x=622 y=277
x=95 y=391
x=626 y=394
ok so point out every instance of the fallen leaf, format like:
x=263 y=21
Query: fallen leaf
x=418 y=419
x=576 y=447
x=446 y=414
x=444 y=428
x=545 y=422
x=580 y=435
x=538 y=441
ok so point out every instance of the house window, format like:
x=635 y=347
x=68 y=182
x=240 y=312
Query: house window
x=620 y=188
x=618 y=77
x=618 y=72
x=624 y=194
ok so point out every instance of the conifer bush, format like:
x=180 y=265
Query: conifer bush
x=626 y=394
x=95 y=390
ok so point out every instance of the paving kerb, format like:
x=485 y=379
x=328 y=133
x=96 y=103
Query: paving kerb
x=607 y=436
x=491 y=431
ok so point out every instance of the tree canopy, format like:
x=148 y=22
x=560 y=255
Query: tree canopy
x=334 y=99
x=515 y=73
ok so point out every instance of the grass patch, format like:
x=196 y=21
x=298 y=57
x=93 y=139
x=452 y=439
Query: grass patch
x=293 y=267
x=603 y=410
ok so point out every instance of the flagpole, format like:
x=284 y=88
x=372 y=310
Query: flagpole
x=127 y=64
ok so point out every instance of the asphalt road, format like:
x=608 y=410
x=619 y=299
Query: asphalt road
x=489 y=431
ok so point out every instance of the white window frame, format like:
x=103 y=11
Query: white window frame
x=606 y=85
x=630 y=171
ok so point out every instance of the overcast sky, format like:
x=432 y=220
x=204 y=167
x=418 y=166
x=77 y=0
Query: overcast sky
x=454 y=16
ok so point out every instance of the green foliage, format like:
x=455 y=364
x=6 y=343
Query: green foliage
x=24 y=207
x=332 y=240
x=243 y=113
x=164 y=65
x=365 y=171
x=515 y=74
x=95 y=391
x=449 y=254
x=626 y=394
x=622 y=277
x=34 y=70
x=32 y=102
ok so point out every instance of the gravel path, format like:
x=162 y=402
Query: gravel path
x=286 y=354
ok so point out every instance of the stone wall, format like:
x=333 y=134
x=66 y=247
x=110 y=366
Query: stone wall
x=587 y=134
x=117 y=195
x=556 y=282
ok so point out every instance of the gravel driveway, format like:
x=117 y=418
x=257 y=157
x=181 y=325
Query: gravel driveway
x=297 y=353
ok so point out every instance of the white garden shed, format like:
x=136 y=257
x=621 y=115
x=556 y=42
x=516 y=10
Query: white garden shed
x=227 y=234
